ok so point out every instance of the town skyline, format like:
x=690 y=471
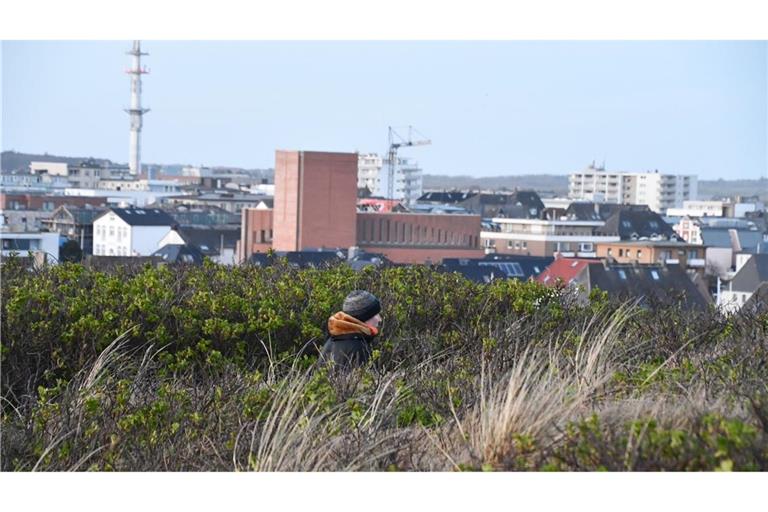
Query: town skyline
x=711 y=97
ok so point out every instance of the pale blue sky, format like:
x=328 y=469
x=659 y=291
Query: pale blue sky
x=490 y=108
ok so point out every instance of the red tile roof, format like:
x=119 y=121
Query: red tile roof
x=564 y=269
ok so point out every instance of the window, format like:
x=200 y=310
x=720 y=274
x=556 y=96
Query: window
x=16 y=244
x=524 y=245
x=639 y=254
x=621 y=253
x=111 y=231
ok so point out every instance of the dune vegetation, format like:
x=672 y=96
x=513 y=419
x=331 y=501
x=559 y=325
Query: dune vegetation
x=214 y=369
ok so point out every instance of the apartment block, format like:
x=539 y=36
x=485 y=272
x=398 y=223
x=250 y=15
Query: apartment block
x=657 y=190
x=541 y=237
x=372 y=172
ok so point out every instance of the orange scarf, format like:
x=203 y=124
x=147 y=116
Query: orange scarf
x=342 y=323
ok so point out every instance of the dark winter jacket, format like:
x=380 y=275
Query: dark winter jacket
x=349 y=342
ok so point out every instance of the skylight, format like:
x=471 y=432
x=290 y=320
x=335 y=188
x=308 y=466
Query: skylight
x=622 y=274
x=655 y=275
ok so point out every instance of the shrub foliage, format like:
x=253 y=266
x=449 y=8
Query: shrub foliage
x=213 y=368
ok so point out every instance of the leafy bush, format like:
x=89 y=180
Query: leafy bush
x=212 y=368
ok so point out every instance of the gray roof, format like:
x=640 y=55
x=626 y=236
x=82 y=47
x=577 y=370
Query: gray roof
x=180 y=254
x=632 y=223
x=301 y=259
x=751 y=274
x=720 y=237
x=587 y=210
x=446 y=197
x=758 y=301
x=649 y=283
x=143 y=216
x=497 y=266
x=204 y=215
x=209 y=240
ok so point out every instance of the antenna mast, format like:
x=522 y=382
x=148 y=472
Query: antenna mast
x=136 y=111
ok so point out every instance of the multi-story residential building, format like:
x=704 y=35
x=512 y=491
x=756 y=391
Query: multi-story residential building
x=372 y=173
x=544 y=237
x=130 y=231
x=670 y=252
x=88 y=174
x=657 y=190
x=699 y=209
x=230 y=201
x=146 y=185
x=369 y=167
x=23 y=182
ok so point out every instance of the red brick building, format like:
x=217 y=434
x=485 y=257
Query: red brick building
x=256 y=232
x=418 y=238
x=315 y=200
x=315 y=207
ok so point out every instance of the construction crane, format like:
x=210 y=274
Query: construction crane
x=396 y=141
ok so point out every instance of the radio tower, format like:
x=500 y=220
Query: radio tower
x=136 y=112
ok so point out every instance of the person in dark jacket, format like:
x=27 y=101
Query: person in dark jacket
x=351 y=331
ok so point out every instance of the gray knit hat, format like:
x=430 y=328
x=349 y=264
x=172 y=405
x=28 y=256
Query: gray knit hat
x=361 y=305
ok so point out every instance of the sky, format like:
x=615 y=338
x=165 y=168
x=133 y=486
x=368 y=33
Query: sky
x=489 y=108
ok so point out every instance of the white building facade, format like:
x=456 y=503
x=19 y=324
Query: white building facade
x=31 y=244
x=657 y=190
x=538 y=237
x=373 y=173
x=699 y=209
x=130 y=231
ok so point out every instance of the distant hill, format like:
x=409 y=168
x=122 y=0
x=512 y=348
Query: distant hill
x=13 y=161
x=557 y=184
x=721 y=187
